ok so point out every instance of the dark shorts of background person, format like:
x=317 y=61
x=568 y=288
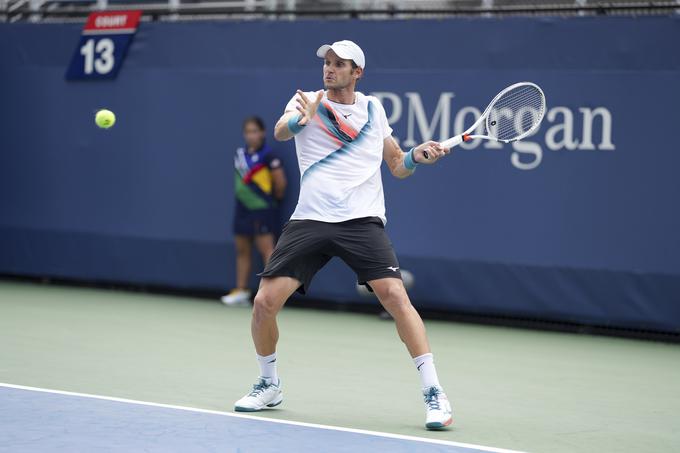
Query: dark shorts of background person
x=256 y=222
x=305 y=246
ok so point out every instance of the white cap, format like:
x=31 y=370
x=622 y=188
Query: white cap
x=346 y=50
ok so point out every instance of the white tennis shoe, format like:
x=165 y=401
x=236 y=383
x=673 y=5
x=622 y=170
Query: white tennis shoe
x=439 y=413
x=264 y=394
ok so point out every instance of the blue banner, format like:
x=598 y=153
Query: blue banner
x=578 y=222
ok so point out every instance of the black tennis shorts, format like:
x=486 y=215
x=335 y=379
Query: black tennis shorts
x=305 y=246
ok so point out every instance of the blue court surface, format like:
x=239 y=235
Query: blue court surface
x=41 y=420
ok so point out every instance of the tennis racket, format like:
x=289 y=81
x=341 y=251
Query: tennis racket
x=515 y=113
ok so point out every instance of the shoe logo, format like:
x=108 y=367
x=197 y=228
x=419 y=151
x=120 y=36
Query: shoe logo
x=346 y=116
x=393 y=269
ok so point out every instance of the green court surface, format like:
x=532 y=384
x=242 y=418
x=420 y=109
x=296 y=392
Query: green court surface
x=511 y=388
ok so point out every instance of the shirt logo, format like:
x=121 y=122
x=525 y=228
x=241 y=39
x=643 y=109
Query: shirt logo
x=346 y=116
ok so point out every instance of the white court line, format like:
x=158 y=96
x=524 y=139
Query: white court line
x=254 y=417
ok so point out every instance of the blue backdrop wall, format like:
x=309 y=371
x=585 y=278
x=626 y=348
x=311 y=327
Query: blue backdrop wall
x=579 y=222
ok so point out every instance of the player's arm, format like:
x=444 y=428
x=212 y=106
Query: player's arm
x=282 y=132
x=293 y=121
x=402 y=165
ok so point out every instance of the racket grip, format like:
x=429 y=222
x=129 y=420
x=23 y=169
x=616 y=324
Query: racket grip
x=453 y=141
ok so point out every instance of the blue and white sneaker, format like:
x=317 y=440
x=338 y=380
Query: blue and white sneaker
x=439 y=413
x=264 y=394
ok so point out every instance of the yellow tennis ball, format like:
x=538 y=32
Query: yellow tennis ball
x=105 y=119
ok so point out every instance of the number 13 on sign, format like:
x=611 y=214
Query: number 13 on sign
x=99 y=56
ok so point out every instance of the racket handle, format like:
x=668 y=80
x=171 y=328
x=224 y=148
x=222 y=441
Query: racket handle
x=453 y=141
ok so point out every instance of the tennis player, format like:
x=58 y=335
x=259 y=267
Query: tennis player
x=341 y=138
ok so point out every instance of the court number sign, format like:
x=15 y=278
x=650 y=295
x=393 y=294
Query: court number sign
x=103 y=45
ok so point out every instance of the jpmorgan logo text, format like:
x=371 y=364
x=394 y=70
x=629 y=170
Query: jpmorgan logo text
x=563 y=128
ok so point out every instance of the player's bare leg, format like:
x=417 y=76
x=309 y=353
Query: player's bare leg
x=273 y=293
x=393 y=297
x=395 y=300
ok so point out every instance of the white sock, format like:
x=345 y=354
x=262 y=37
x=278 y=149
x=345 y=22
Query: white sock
x=268 y=367
x=428 y=374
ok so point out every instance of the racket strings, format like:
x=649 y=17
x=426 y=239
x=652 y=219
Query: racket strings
x=516 y=112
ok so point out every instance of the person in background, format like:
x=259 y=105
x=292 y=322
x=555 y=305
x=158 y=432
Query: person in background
x=260 y=184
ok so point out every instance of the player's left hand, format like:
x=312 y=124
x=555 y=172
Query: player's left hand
x=429 y=152
x=306 y=107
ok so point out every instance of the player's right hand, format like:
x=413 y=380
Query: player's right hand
x=429 y=152
x=306 y=107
